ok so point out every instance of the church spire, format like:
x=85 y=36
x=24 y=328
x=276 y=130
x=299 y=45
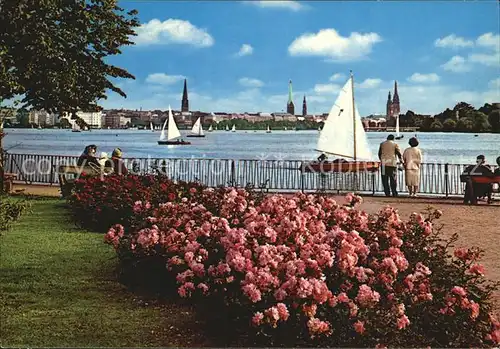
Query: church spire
x=185 y=100
x=304 y=106
x=290 y=107
x=396 y=96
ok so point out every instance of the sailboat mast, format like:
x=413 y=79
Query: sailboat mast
x=353 y=114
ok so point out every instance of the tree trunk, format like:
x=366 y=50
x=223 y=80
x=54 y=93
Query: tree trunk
x=2 y=171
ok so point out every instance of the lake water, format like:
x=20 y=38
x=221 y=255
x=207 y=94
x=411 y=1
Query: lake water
x=457 y=148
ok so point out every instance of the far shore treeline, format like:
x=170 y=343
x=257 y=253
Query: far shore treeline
x=468 y=119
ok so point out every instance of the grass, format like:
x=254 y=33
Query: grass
x=58 y=288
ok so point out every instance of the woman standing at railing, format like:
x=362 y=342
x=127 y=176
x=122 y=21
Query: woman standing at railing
x=412 y=159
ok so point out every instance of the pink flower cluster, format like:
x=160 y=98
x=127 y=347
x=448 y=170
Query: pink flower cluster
x=304 y=258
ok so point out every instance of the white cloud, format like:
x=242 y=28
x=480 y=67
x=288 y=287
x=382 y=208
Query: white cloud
x=453 y=41
x=283 y=4
x=495 y=83
x=326 y=88
x=492 y=60
x=337 y=77
x=489 y=40
x=424 y=78
x=248 y=82
x=164 y=79
x=369 y=83
x=330 y=44
x=457 y=64
x=245 y=50
x=172 y=31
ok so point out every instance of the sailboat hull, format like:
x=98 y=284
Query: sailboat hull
x=173 y=143
x=349 y=166
x=196 y=136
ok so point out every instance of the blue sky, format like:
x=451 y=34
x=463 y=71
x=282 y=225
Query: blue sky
x=239 y=56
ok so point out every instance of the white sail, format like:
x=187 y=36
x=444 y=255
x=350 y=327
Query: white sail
x=210 y=129
x=151 y=126
x=268 y=129
x=173 y=131
x=397 y=126
x=227 y=128
x=234 y=128
x=197 y=128
x=162 y=134
x=337 y=135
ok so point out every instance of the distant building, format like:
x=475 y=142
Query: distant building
x=93 y=119
x=42 y=118
x=290 y=107
x=393 y=107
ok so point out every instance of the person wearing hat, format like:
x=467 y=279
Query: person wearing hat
x=88 y=156
x=118 y=164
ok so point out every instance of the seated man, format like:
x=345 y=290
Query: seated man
x=480 y=189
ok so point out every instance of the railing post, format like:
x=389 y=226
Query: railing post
x=373 y=183
x=446 y=180
x=52 y=170
x=233 y=174
x=302 y=176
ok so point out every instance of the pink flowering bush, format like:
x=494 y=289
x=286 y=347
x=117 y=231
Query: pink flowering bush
x=306 y=270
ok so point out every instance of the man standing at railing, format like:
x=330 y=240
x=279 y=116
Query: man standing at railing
x=388 y=153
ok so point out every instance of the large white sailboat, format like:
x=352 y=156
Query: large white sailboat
x=343 y=136
x=197 y=130
x=172 y=132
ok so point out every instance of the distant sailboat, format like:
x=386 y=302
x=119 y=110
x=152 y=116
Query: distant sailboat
x=210 y=129
x=233 y=129
x=398 y=136
x=151 y=126
x=75 y=128
x=268 y=129
x=197 y=130
x=172 y=132
x=227 y=128
x=343 y=135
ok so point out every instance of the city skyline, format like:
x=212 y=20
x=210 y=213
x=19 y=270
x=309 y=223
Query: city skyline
x=237 y=59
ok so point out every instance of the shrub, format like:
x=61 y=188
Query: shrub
x=329 y=274
x=99 y=202
x=11 y=210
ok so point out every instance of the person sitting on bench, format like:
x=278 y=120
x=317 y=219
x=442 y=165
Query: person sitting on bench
x=497 y=171
x=480 y=190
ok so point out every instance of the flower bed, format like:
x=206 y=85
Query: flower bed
x=99 y=202
x=309 y=271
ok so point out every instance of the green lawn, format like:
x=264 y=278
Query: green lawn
x=58 y=288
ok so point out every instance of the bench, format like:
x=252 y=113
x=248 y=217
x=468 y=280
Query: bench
x=69 y=173
x=471 y=179
x=8 y=181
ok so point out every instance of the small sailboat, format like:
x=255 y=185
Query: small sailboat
x=227 y=128
x=343 y=135
x=398 y=135
x=234 y=128
x=210 y=129
x=75 y=128
x=172 y=132
x=151 y=126
x=197 y=130
x=268 y=129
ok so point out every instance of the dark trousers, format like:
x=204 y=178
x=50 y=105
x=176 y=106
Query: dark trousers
x=389 y=180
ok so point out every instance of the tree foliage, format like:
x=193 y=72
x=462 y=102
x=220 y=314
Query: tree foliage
x=54 y=53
